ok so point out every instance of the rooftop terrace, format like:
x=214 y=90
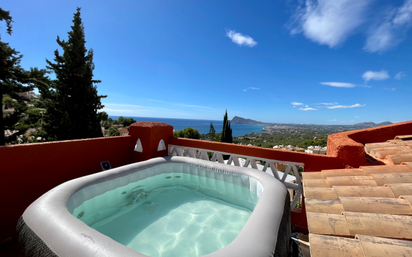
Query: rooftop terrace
x=30 y=170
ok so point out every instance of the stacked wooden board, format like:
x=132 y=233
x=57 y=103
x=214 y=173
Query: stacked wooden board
x=360 y=212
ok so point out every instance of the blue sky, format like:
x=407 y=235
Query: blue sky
x=313 y=61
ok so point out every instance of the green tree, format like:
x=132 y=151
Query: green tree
x=5 y=16
x=125 y=121
x=187 y=133
x=72 y=101
x=113 y=132
x=226 y=135
x=212 y=131
x=14 y=80
x=103 y=116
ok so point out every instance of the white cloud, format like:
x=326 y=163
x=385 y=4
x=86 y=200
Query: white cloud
x=338 y=84
x=345 y=106
x=328 y=22
x=254 y=88
x=390 y=32
x=307 y=109
x=400 y=75
x=296 y=103
x=327 y=103
x=192 y=106
x=375 y=75
x=240 y=39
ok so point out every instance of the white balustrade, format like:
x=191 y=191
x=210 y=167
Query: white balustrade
x=217 y=156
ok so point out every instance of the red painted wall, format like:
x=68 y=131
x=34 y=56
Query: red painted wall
x=349 y=146
x=150 y=134
x=28 y=171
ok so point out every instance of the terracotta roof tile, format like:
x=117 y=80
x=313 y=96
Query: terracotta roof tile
x=324 y=206
x=376 y=246
x=326 y=246
x=376 y=205
x=362 y=191
x=351 y=181
x=391 y=178
x=327 y=224
x=365 y=211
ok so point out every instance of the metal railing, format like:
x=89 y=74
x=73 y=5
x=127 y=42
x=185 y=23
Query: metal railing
x=217 y=156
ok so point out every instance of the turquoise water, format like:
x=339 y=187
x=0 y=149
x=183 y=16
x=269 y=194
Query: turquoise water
x=186 y=216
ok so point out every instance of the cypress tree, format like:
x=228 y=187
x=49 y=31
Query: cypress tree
x=72 y=101
x=226 y=135
x=212 y=131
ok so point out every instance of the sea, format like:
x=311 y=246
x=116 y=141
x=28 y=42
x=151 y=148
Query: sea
x=202 y=126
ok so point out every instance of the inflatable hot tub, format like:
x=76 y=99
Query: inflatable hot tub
x=172 y=206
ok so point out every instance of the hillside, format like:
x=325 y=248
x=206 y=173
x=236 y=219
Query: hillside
x=240 y=120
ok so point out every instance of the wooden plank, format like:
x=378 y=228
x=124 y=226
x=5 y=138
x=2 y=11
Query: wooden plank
x=362 y=191
x=312 y=175
x=316 y=183
x=376 y=205
x=323 y=206
x=368 y=170
x=400 y=189
x=327 y=224
x=399 y=158
x=378 y=246
x=343 y=172
x=384 y=225
x=320 y=193
x=352 y=181
x=327 y=246
x=393 y=178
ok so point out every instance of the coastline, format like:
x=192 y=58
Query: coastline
x=202 y=126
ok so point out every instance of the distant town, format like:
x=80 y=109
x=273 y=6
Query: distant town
x=308 y=138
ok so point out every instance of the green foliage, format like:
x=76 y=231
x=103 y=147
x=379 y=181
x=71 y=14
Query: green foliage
x=5 y=16
x=212 y=133
x=269 y=140
x=113 y=132
x=187 y=133
x=14 y=80
x=8 y=102
x=125 y=121
x=71 y=100
x=226 y=135
x=103 y=116
x=307 y=143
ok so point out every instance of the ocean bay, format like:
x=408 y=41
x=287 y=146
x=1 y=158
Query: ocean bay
x=202 y=126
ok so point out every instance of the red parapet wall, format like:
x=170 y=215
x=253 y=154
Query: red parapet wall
x=27 y=171
x=349 y=146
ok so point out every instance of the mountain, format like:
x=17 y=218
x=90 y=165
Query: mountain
x=240 y=120
x=372 y=124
